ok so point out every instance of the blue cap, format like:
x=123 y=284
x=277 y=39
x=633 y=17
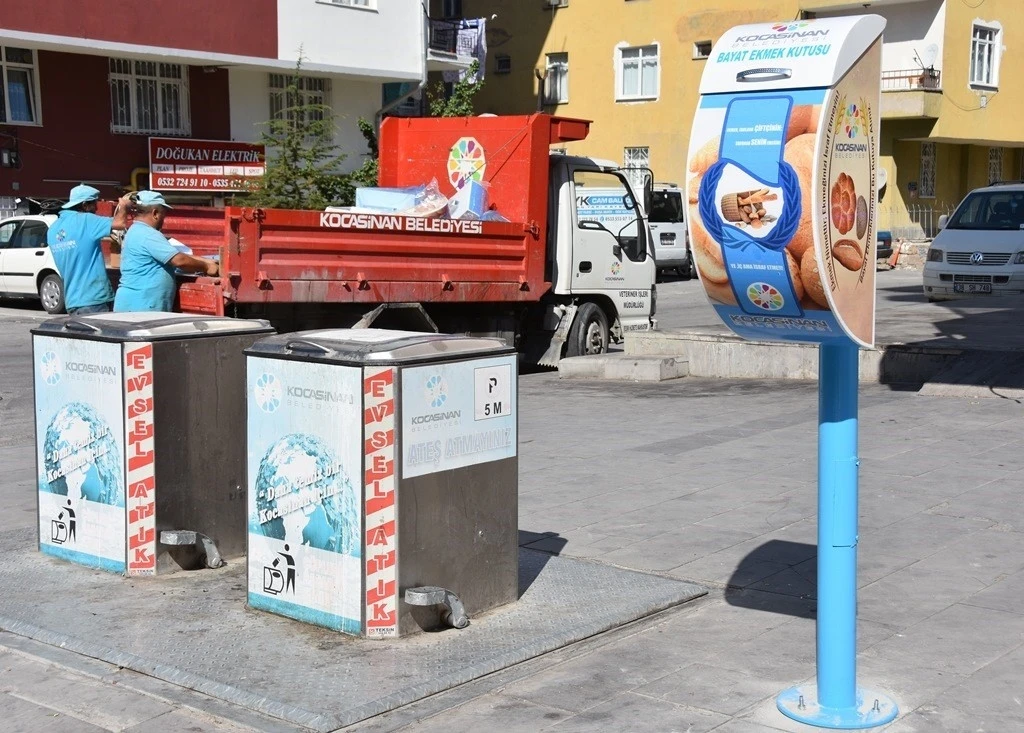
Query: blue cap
x=151 y=198
x=80 y=194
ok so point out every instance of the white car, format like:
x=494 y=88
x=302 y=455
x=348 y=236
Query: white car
x=27 y=269
x=979 y=250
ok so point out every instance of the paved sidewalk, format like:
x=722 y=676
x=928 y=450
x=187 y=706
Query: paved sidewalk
x=714 y=481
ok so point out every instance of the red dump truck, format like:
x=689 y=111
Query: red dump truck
x=544 y=280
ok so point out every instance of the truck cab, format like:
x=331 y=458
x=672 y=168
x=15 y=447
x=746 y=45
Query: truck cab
x=600 y=252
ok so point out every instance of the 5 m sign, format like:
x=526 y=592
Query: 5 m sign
x=208 y=166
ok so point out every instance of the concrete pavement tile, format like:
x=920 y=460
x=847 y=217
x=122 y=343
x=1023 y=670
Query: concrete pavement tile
x=496 y=712
x=672 y=514
x=747 y=726
x=953 y=480
x=183 y=721
x=998 y=686
x=911 y=463
x=943 y=641
x=710 y=688
x=74 y=695
x=22 y=716
x=672 y=549
x=989 y=502
x=920 y=535
x=798 y=581
x=1003 y=595
x=947 y=719
x=985 y=556
x=912 y=594
x=873 y=564
x=633 y=713
x=766 y=515
x=880 y=506
x=766 y=713
x=902 y=678
x=589 y=680
x=1007 y=457
x=784 y=653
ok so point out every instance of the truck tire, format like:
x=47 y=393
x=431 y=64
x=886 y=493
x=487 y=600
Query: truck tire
x=589 y=332
x=51 y=294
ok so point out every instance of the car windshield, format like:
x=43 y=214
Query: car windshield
x=666 y=207
x=991 y=210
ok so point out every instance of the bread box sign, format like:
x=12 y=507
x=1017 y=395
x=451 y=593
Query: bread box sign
x=781 y=179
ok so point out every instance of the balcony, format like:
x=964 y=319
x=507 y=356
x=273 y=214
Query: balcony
x=911 y=94
x=451 y=44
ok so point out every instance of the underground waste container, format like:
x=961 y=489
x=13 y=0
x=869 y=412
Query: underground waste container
x=382 y=478
x=140 y=454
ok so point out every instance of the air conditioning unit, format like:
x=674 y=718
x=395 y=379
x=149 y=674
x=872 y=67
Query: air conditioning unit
x=551 y=4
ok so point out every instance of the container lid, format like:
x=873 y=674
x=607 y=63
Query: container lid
x=148 y=326
x=375 y=345
x=799 y=54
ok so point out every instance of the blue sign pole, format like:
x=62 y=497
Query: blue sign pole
x=836 y=701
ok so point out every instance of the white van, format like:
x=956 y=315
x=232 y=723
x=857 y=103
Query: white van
x=979 y=250
x=668 y=230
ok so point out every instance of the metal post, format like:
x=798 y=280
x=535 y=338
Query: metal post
x=835 y=701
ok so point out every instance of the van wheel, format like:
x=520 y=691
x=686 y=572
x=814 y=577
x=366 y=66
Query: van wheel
x=589 y=332
x=51 y=294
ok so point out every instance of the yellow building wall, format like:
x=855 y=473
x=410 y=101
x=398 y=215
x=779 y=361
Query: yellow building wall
x=963 y=117
x=589 y=31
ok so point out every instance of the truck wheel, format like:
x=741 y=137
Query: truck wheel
x=51 y=294
x=589 y=332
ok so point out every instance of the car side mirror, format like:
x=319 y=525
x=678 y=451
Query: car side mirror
x=943 y=220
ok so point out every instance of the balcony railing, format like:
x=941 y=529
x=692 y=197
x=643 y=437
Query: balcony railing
x=911 y=79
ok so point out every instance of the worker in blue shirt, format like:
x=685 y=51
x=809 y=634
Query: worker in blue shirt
x=74 y=239
x=148 y=260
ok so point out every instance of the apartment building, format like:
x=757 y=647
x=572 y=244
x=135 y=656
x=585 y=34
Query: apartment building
x=85 y=85
x=950 y=103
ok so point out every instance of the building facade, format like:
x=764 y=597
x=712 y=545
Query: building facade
x=86 y=84
x=950 y=105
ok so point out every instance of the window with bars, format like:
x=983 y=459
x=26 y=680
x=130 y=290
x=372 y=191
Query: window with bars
x=637 y=73
x=18 y=91
x=312 y=96
x=995 y=165
x=556 y=85
x=985 y=41
x=926 y=186
x=636 y=162
x=149 y=97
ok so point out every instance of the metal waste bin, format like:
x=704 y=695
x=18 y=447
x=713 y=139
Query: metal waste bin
x=382 y=478
x=138 y=430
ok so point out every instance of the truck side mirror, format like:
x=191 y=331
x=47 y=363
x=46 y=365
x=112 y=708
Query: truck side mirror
x=943 y=220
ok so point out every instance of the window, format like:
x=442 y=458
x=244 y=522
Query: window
x=7 y=233
x=985 y=42
x=637 y=164
x=995 y=165
x=451 y=9
x=637 y=71
x=702 y=49
x=148 y=97
x=502 y=64
x=926 y=186
x=990 y=210
x=18 y=93
x=312 y=90
x=556 y=85
x=32 y=235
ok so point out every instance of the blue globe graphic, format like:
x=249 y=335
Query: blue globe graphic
x=267 y=392
x=437 y=391
x=81 y=457
x=50 y=367
x=301 y=482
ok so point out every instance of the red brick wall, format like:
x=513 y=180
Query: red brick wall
x=75 y=141
x=242 y=27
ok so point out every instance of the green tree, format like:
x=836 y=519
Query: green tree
x=368 y=173
x=460 y=102
x=302 y=166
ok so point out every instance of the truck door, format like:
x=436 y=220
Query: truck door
x=609 y=243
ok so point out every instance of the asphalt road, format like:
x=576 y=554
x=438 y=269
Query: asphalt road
x=681 y=303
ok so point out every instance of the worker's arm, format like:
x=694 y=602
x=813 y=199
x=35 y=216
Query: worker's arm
x=121 y=213
x=195 y=264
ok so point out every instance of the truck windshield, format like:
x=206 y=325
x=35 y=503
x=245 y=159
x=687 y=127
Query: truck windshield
x=666 y=207
x=990 y=210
